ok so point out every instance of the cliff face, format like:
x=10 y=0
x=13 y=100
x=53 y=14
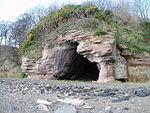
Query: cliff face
x=81 y=56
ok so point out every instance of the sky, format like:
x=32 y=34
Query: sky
x=10 y=9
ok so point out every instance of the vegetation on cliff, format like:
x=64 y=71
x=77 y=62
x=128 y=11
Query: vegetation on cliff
x=88 y=17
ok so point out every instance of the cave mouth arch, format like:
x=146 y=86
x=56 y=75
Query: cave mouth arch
x=86 y=70
x=73 y=66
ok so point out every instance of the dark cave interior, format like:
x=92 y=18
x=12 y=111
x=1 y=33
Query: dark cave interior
x=72 y=66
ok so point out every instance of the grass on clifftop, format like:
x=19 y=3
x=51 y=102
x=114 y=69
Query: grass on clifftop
x=133 y=37
x=87 y=17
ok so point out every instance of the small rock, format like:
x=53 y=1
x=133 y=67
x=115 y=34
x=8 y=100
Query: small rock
x=126 y=108
x=118 y=110
x=14 y=108
x=47 y=85
x=66 y=109
x=120 y=99
x=23 y=93
x=43 y=107
x=42 y=91
x=88 y=107
x=43 y=102
x=76 y=102
x=25 y=89
x=108 y=109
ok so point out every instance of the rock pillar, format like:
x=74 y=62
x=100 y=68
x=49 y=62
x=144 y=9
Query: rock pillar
x=106 y=72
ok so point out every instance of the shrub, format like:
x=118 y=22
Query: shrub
x=30 y=36
x=145 y=25
x=99 y=32
x=23 y=75
x=16 y=65
x=24 y=47
x=66 y=12
x=146 y=34
x=127 y=30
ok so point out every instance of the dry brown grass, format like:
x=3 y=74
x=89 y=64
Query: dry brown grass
x=139 y=74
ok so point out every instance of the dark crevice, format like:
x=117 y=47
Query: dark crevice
x=122 y=80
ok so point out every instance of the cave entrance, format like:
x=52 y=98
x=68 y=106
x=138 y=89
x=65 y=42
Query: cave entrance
x=72 y=66
x=84 y=69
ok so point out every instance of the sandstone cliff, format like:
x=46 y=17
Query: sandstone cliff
x=81 y=56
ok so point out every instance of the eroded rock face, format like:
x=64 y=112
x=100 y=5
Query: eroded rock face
x=138 y=65
x=120 y=67
x=42 y=68
x=81 y=56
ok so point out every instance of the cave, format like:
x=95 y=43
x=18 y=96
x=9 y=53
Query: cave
x=72 y=66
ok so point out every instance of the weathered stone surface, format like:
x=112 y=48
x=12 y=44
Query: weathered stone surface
x=42 y=68
x=135 y=59
x=120 y=66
